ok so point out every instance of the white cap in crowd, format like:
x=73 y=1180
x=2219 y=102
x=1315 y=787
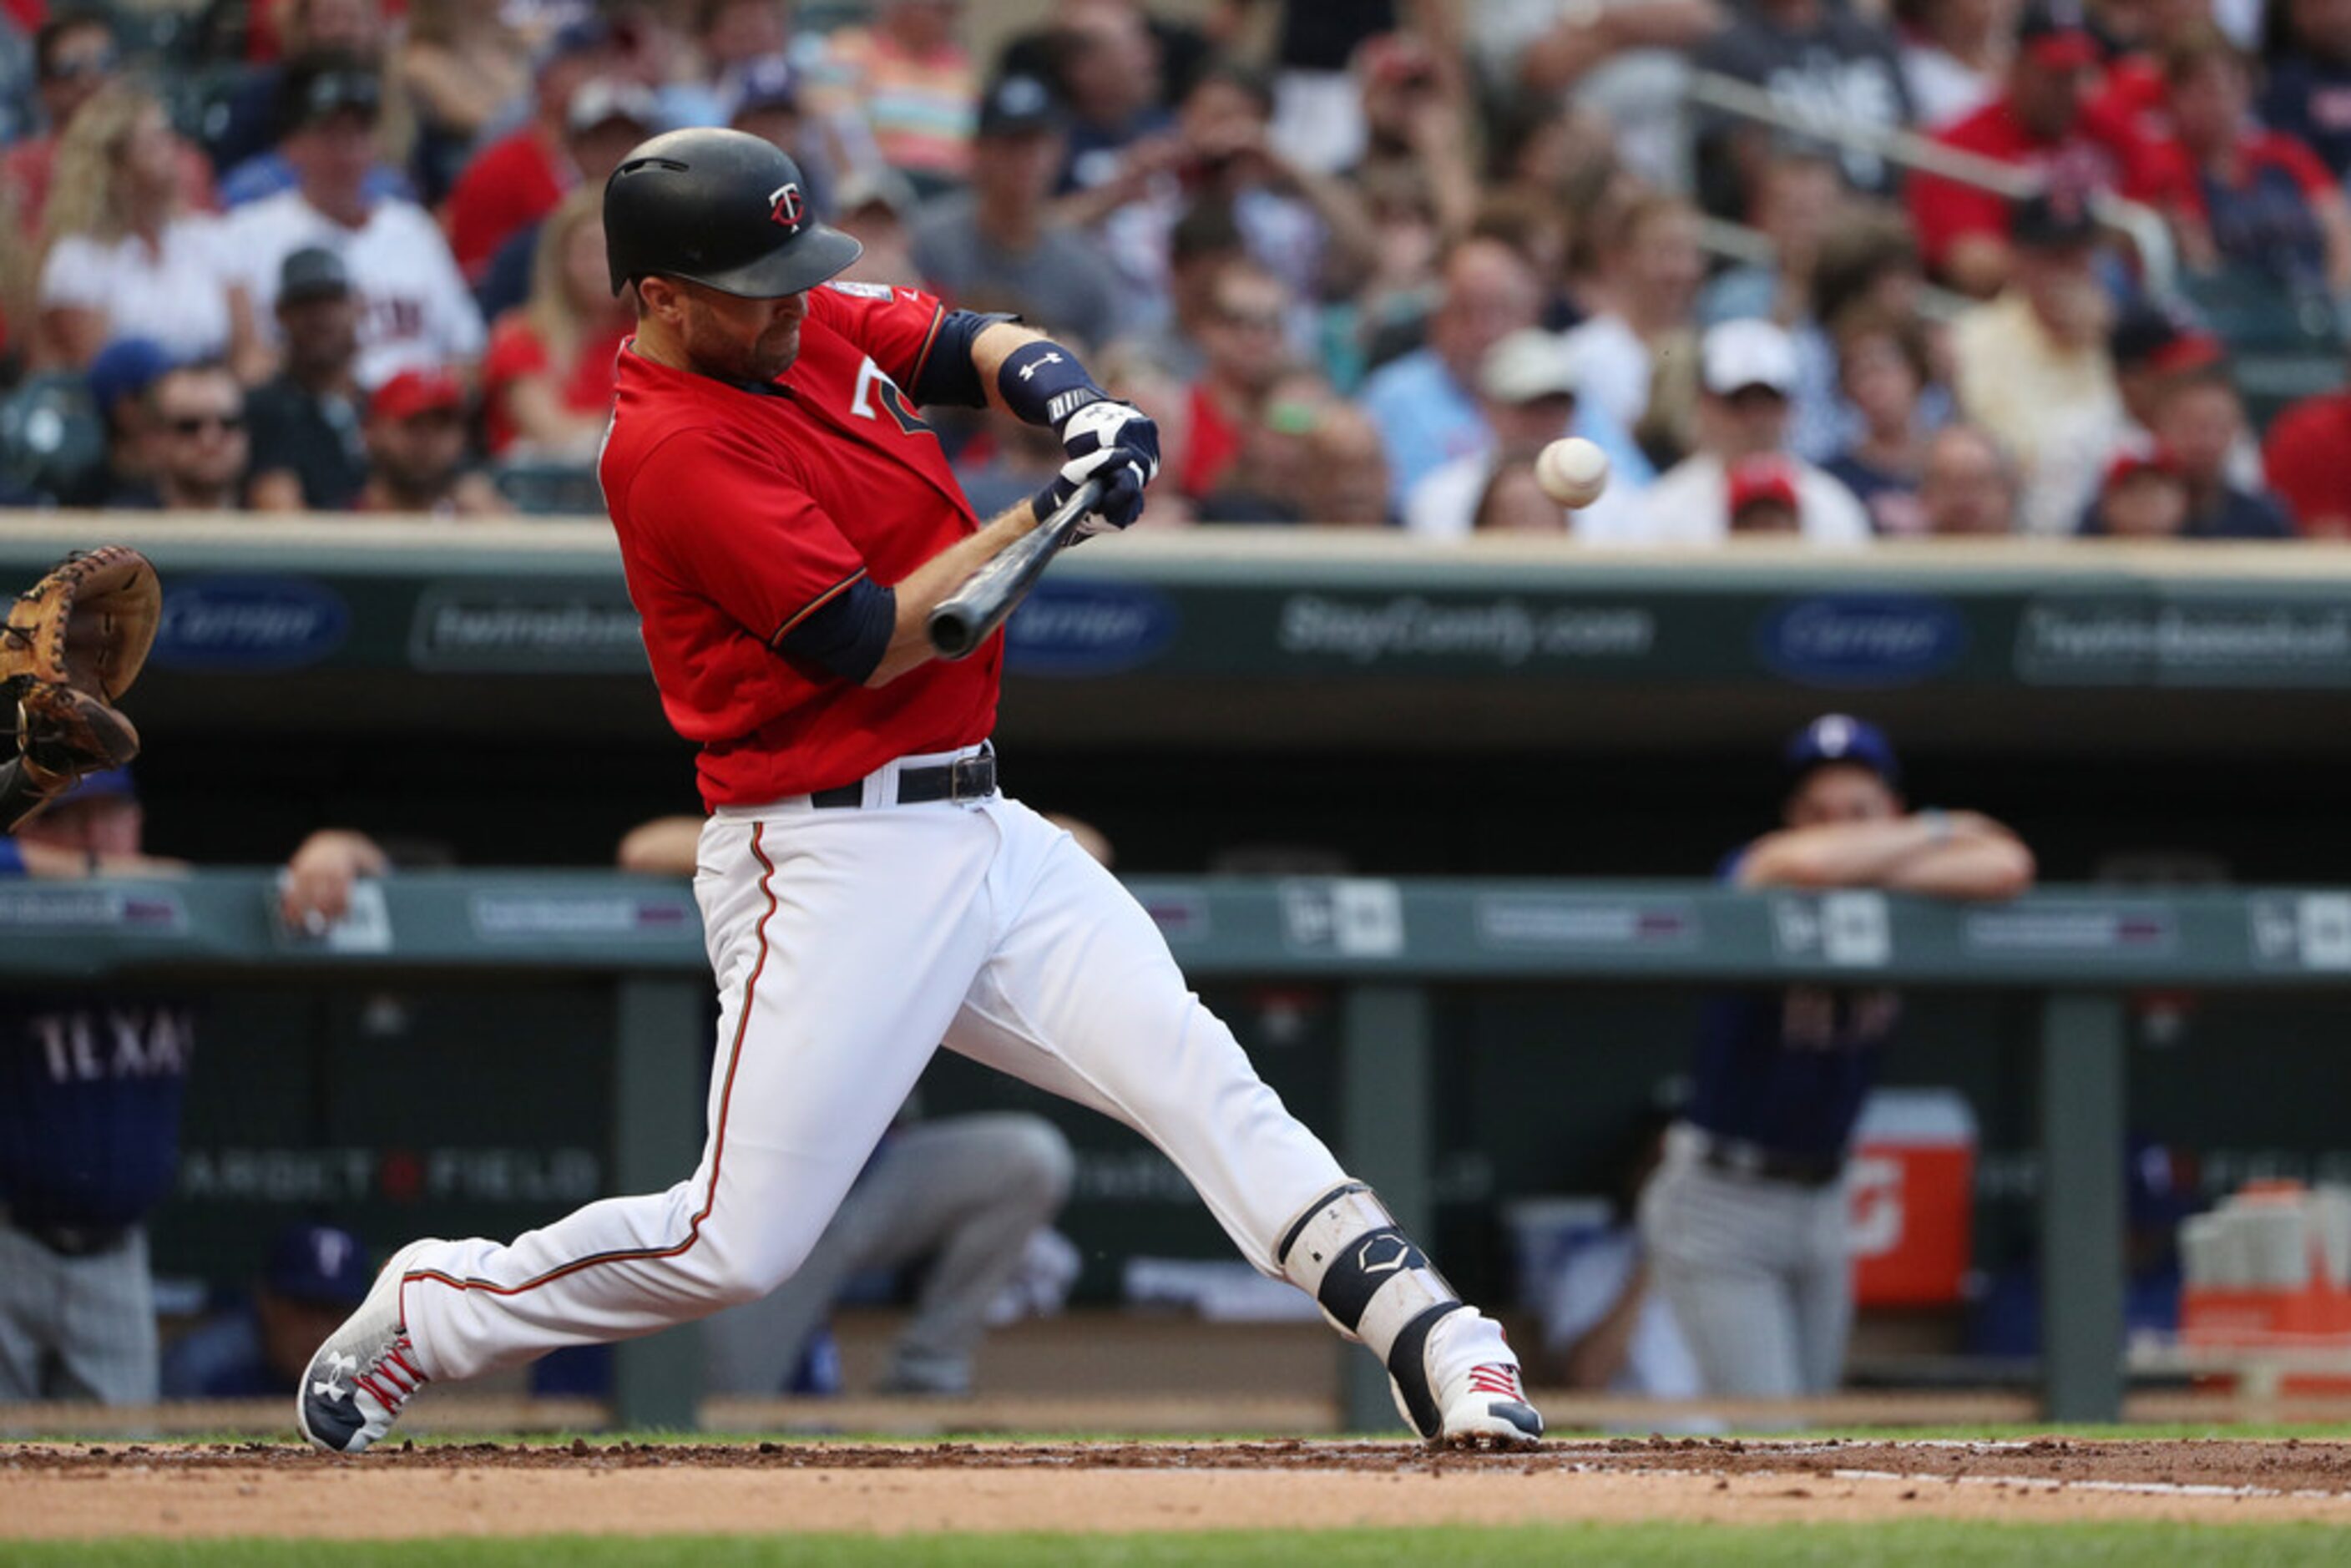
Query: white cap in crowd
x=1528 y=364
x=1747 y=352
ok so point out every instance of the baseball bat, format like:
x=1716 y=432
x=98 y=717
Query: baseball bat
x=970 y=615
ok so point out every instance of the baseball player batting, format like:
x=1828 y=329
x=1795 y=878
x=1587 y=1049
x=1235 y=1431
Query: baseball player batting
x=788 y=522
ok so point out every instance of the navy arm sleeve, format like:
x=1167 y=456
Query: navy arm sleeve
x=949 y=375
x=846 y=635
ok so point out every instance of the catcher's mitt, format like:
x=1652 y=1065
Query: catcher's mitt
x=71 y=645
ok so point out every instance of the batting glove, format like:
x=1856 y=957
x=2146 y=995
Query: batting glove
x=1115 y=443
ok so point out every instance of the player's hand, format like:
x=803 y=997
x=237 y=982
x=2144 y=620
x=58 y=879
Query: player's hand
x=1115 y=443
x=320 y=875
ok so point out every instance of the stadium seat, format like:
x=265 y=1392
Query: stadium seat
x=2281 y=346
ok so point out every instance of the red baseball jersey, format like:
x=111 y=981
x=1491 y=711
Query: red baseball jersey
x=740 y=510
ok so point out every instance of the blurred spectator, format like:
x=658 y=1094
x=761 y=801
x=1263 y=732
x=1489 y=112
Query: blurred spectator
x=876 y=210
x=1650 y=270
x=2032 y=366
x=201 y=446
x=1954 y=53
x=1760 y=496
x=2254 y=203
x=2308 y=95
x=254 y=113
x=1424 y=402
x=1198 y=247
x=1511 y=501
x=1967 y=487
x=1884 y=368
x=1308 y=228
x=1011 y=462
x=2151 y=342
x=416 y=450
x=2139 y=37
x=1266 y=481
x=414 y=307
x=1868 y=258
x=1415 y=113
x=913 y=83
x=1528 y=393
x=2304 y=457
x=89 y=1134
x=2198 y=424
x=548 y=379
x=1383 y=316
x=1244 y=352
x=1797 y=195
x=516 y=180
x=1806 y=54
x=1346 y=471
x=74 y=57
x=119 y=378
x=307 y=453
x=2142 y=496
x=125 y=256
x=1747 y=372
x=258 y=1348
x=461 y=68
x=1319 y=111
x=1107 y=65
x=2046 y=121
x=1626 y=61
x=610 y=116
x=999 y=235
x=764 y=102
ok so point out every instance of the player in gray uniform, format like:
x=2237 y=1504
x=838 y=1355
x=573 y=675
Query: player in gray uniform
x=1745 y=1221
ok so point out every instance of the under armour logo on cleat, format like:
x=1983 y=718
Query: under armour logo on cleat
x=338 y=1362
x=331 y=1388
x=1030 y=369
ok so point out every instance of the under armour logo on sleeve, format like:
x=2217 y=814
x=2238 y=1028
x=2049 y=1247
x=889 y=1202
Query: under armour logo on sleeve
x=1030 y=369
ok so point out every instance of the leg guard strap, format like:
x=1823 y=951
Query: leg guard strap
x=1368 y=1277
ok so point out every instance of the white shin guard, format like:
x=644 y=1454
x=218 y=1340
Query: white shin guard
x=1374 y=1286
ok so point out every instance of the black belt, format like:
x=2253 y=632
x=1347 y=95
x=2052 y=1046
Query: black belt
x=965 y=778
x=1736 y=1158
x=74 y=1240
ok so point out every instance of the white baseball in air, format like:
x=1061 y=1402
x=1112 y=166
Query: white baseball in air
x=1572 y=472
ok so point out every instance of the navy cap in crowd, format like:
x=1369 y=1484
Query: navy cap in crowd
x=314 y=272
x=124 y=369
x=106 y=784
x=767 y=83
x=1018 y=106
x=325 y=1264
x=1836 y=737
x=323 y=88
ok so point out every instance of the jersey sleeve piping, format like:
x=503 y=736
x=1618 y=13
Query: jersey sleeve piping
x=812 y=606
x=930 y=341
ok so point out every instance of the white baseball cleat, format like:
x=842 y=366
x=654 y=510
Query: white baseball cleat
x=1480 y=1399
x=359 y=1380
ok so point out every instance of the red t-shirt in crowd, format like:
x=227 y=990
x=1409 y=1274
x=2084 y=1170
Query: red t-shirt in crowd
x=2304 y=458
x=516 y=350
x=511 y=185
x=2103 y=151
x=740 y=510
x=1211 y=446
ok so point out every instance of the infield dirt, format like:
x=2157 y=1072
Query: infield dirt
x=262 y=1489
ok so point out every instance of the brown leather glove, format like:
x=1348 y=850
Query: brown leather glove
x=72 y=646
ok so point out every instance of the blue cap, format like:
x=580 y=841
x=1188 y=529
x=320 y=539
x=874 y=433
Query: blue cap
x=321 y=1263
x=767 y=82
x=106 y=784
x=124 y=369
x=1841 y=738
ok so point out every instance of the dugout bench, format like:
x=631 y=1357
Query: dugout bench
x=1381 y=943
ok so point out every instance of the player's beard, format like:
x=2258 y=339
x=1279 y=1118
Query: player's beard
x=718 y=348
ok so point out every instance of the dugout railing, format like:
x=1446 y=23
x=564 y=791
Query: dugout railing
x=1381 y=944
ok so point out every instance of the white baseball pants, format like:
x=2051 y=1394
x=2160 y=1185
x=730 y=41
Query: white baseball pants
x=848 y=944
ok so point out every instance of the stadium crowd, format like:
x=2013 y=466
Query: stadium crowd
x=1838 y=269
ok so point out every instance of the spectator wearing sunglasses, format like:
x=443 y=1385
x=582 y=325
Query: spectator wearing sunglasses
x=73 y=58
x=198 y=439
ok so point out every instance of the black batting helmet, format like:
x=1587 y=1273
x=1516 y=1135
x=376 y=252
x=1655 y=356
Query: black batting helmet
x=721 y=208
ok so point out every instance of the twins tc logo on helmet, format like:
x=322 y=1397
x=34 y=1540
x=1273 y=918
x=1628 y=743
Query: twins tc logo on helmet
x=784 y=205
